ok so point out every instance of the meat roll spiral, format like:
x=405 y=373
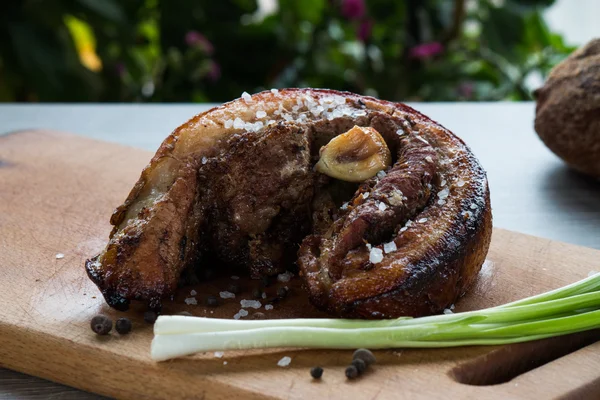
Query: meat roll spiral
x=391 y=210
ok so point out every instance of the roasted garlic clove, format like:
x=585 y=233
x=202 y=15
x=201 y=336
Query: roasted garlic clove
x=354 y=156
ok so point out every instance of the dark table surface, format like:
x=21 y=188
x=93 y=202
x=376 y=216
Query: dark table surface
x=532 y=191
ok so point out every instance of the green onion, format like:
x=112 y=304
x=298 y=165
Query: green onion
x=573 y=308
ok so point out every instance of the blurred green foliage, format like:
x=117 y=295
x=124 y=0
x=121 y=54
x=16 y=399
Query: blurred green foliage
x=207 y=50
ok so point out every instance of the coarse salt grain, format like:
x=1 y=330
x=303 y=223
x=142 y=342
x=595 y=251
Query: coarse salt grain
x=285 y=277
x=228 y=123
x=261 y=114
x=360 y=113
x=443 y=182
x=344 y=206
x=448 y=311
x=264 y=295
x=441 y=202
x=218 y=354
x=237 y=315
x=460 y=183
x=429 y=159
x=191 y=301
x=238 y=123
x=381 y=174
x=390 y=247
x=365 y=195
x=452 y=306
x=369 y=246
x=376 y=255
x=269 y=307
x=224 y=362
x=193 y=292
x=247 y=98
x=284 y=362
x=473 y=206
x=59 y=256
x=243 y=313
x=400 y=132
x=404 y=228
x=443 y=194
x=227 y=295
x=422 y=220
x=409 y=223
x=382 y=206
x=204 y=160
x=274 y=91
x=250 y=304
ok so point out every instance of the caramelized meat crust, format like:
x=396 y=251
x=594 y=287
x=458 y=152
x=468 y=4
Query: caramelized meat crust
x=237 y=184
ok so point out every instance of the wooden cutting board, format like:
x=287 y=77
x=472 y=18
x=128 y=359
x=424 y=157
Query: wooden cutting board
x=57 y=192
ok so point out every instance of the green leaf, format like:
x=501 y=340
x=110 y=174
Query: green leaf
x=309 y=10
x=502 y=32
x=536 y=34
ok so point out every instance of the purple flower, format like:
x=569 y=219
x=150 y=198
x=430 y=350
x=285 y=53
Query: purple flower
x=195 y=38
x=364 y=30
x=214 y=73
x=426 y=50
x=353 y=9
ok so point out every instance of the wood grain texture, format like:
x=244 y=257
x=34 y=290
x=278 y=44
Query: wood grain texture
x=56 y=194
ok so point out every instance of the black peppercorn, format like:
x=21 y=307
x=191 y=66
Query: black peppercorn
x=351 y=372
x=365 y=355
x=101 y=324
x=150 y=316
x=316 y=372
x=212 y=301
x=360 y=365
x=123 y=326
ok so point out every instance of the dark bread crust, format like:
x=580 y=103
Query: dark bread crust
x=189 y=202
x=568 y=110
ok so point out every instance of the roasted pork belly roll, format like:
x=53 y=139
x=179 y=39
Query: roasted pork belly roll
x=391 y=211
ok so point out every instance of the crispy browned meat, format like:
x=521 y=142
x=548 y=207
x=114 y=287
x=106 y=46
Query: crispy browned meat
x=244 y=192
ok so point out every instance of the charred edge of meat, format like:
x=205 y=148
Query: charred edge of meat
x=112 y=298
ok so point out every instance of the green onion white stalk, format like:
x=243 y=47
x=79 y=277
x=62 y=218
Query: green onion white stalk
x=570 y=309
